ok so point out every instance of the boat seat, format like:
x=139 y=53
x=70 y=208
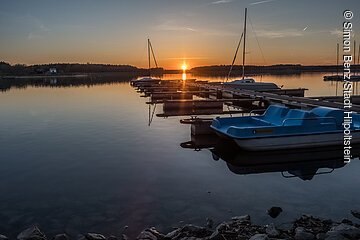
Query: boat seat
x=274 y=114
x=333 y=114
x=295 y=117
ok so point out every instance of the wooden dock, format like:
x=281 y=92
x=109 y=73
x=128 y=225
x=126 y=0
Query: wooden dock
x=285 y=99
x=178 y=95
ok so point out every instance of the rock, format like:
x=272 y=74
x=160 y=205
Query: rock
x=334 y=236
x=31 y=233
x=94 y=236
x=124 y=237
x=156 y=233
x=302 y=234
x=271 y=230
x=196 y=230
x=260 y=237
x=3 y=237
x=112 y=237
x=344 y=230
x=150 y=234
x=209 y=223
x=242 y=219
x=321 y=236
x=347 y=221
x=146 y=235
x=327 y=221
x=222 y=227
x=191 y=238
x=274 y=212
x=173 y=234
x=188 y=231
x=216 y=235
x=80 y=237
x=355 y=213
x=62 y=236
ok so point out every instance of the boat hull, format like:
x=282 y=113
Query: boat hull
x=293 y=142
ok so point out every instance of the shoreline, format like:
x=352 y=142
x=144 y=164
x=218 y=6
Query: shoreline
x=45 y=76
x=306 y=227
x=87 y=70
x=139 y=74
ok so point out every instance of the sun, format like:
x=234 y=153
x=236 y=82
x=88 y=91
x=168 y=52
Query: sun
x=184 y=67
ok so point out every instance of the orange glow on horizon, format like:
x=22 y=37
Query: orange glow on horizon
x=184 y=67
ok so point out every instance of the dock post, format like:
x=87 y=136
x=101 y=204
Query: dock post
x=218 y=94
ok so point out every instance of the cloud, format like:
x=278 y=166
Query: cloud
x=336 y=32
x=187 y=58
x=279 y=34
x=260 y=2
x=221 y=2
x=168 y=26
x=340 y=33
x=171 y=25
x=216 y=32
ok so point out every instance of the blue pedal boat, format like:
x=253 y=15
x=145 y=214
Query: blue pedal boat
x=281 y=127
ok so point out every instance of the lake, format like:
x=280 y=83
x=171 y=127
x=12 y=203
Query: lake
x=82 y=158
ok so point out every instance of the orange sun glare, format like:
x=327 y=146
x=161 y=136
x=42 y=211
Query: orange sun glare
x=184 y=67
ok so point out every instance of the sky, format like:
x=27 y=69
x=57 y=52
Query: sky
x=195 y=32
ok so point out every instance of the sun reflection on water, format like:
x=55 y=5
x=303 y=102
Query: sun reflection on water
x=183 y=77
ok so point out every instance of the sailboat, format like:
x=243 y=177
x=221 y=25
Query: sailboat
x=337 y=77
x=148 y=79
x=247 y=83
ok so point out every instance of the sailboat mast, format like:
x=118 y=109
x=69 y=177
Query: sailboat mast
x=354 y=52
x=244 y=47
x=148 y=48
x=153 y=54
x=358 y=60
x=337 y=59
x=354 y=63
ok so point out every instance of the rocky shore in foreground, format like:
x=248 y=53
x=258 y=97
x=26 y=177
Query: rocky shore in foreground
x=306 y=227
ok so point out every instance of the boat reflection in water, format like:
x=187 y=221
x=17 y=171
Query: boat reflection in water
x=301 y=163
x=199 y=142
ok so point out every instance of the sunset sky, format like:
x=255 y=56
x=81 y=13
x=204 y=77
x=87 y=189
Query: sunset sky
x=197 y=32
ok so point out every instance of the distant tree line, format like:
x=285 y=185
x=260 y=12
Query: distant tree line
x=7 y=69
x=70 y=68
x=223 y=70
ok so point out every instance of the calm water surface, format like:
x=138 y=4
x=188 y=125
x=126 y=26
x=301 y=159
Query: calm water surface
x=83 y=159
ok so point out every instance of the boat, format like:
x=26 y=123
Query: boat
x=251 y=84
x=247 y=83
x=284 y=128
x=352 y=78
x=148 y=79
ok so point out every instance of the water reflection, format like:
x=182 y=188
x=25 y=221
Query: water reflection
x=83 y=159
x=312 y=81
x=301 y=163
x=183 y=76
x=60 y=82
x=200 y=142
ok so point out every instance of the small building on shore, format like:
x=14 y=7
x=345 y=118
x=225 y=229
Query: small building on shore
x=52 y=70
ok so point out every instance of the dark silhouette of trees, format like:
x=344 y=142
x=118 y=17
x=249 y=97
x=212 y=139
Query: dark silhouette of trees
x=71 y=68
